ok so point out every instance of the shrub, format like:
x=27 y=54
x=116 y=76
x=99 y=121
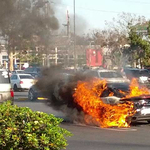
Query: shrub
x=24 y=129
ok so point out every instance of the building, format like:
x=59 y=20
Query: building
x=3 y=57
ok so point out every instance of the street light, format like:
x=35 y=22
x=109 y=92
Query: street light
x=75 y=55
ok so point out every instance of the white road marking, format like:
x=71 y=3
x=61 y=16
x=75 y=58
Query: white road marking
x=112 y=129
x=120 y=129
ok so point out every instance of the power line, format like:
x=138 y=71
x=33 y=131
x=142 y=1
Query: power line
x=99 y=10
x=131 y=1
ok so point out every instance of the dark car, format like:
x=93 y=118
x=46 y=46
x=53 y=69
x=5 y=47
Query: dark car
x=35 y=94
x=34 y=71
x=142 y=75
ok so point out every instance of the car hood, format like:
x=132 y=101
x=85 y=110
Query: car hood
x=136 y=98
x=116 y=80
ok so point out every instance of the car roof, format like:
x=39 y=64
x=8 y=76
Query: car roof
x=22 y=74
x=131 y=69
x=106 y=70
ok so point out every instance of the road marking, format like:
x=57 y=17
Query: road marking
x=120 y=129
x=22 y=99
x=112 y=129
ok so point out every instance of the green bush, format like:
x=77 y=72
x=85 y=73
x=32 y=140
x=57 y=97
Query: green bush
x=24 y=129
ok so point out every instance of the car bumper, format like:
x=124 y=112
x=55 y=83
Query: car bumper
x=139 y=116
x=25 y=86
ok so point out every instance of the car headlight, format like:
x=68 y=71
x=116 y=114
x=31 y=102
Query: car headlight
x=143 y=79
x=142 y=102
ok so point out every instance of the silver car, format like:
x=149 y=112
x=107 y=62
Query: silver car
x=111 y=76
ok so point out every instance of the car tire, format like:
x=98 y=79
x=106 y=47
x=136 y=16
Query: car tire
x=31 y=95
x=148 y=121
x=15 y=88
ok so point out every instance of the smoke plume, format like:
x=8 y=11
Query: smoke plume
x=59 y=87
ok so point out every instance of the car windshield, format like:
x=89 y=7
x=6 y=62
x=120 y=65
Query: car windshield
x=133 y=73
x=110 y=75
x=120 y=86
x=25 y=77
x=144 y=73
x=4 y=78
x=20 y=71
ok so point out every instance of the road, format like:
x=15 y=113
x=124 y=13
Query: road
x=137 y=137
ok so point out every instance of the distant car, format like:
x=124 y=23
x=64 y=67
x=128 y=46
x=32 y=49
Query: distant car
x=34 y=71
x=142 y=75
x=17 y=72
x=21 y=81
x=35 y=94
x=6 y=92
x=108 y=75
x=141 y=103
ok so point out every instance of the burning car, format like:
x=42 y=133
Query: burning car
x=113 y=104
x=95 y=101
x=141 y=103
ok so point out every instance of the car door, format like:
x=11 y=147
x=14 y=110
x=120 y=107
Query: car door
x=14 y=80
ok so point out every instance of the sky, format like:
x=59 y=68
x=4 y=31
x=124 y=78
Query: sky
x=94 y=13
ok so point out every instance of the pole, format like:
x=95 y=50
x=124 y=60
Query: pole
x=56 y=52
x=75 y=55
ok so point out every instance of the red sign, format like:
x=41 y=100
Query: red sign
x=94 y=58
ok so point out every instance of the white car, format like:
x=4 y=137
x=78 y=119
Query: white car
x=21 y=81
x=6 y=92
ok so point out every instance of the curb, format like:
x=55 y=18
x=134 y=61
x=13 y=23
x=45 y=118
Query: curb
x=22 y=99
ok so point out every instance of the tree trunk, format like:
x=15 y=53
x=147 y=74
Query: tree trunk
x=11 y=62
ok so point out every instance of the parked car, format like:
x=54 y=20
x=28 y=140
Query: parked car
x=141 y=103
x=21 y=81
x=35 y=94
x=34 y=71
x=17 y=72
x=142 y=75
x=108 y=75
x=6 y=92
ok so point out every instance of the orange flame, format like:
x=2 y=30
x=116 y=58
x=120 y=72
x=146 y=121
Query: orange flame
x=136 y=90
x=87 y=95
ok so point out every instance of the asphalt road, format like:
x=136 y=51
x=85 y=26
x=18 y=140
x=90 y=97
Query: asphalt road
x=137 y=137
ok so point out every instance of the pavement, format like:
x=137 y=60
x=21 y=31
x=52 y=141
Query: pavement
x=87 y=137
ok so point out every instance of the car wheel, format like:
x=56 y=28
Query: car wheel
x=31 y=95
x=15 y=88
x=148 y=121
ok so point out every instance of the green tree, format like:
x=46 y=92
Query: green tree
x=140 y=46
x=26 y=24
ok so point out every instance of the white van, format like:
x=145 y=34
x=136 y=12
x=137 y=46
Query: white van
x=6 y=92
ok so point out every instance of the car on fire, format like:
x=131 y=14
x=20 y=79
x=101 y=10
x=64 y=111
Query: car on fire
x=141 y=103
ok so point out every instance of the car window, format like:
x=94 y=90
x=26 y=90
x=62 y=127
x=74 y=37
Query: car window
x=4 y=78
x=20 y=72
x=25 y=77
x=144 y=73
x=14 y=77
x=29 y=70
x=133 y=73
x=110 y=75
x=92 y=73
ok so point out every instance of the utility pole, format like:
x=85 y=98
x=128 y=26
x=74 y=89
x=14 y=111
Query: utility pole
x=56 y=55
x=75 y=53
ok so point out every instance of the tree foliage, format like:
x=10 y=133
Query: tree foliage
x=23 y=129
x=26 y=24
x=140 y=46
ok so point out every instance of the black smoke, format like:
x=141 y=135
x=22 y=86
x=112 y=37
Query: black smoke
x=59 y=85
